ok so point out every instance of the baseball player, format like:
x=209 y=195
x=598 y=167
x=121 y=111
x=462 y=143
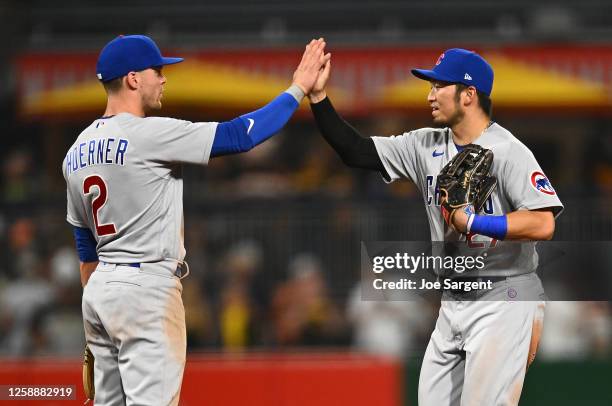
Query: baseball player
x=479 y=351
x=124 y=193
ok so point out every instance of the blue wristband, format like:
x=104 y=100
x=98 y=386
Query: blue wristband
x=491 y=226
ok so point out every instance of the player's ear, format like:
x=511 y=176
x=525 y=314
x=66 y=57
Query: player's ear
x=132 y=80
x=471 y=94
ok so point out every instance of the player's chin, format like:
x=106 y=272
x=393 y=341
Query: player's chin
x=152 y=107
x=439 y=121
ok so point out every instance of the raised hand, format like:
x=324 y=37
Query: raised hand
x=318 y=92
x=312 y=64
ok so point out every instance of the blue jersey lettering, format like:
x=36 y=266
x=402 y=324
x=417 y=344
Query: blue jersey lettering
x=96 y=152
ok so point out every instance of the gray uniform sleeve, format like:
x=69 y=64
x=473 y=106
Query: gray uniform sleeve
x=398 y=156
x=525 y=184
x=73 y=216
x=74 y=213
x=171 y=140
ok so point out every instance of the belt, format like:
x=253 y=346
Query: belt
x=178 y=272
x=134 y=265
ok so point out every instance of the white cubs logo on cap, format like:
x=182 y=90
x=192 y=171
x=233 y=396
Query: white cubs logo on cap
x=541 y=183
x=439 y=59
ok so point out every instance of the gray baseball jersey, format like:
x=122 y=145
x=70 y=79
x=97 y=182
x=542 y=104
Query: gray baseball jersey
x=479 y=350
x=125 y=184
x=420 y=155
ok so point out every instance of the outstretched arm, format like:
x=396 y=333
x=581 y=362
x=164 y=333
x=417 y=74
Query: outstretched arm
x=354 y=150
x=245 y=132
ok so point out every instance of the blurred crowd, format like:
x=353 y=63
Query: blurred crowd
x=233 y=303
x=273 y=241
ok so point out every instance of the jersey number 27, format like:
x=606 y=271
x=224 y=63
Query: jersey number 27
x=98 y=202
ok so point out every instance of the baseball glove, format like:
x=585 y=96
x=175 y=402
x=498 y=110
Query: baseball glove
x=88 y=374
x=465 y=182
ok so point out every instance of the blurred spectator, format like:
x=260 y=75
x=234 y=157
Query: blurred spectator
x=603 y=177
x=61 y=325
x=27 y=294
x=237 y=318
x=322 y=172
x=240 y=308
x=22 y=254
x=576 y=330
x=394 y=326
x=599 y=161
x=18 y=185
x=261 y=174
x=198 y=313
x=599 y=318
x=198 y=309
x=303 y=311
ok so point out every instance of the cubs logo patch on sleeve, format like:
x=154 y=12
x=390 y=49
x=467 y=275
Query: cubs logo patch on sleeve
x=541 y=183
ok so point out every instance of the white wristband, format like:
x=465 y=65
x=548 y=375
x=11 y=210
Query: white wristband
x=469 y=222
x=296 y=92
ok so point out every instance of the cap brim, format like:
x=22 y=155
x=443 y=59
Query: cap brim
x=430 y=75
x=170 y=61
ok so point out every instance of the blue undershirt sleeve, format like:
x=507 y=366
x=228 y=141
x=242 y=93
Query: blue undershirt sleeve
x=85 y=244
x=245 y=132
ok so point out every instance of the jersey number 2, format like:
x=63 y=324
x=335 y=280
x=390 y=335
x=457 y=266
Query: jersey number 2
x=98 y=202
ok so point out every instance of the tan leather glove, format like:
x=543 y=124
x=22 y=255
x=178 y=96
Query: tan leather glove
x=88 y=374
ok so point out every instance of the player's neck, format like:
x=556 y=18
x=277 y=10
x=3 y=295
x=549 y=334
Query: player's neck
x=116 y=105
x=470 y=128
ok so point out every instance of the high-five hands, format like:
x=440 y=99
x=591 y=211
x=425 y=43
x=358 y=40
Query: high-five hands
x=314 y=63
x=318 y=90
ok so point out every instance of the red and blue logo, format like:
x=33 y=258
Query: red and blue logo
x=541 y=183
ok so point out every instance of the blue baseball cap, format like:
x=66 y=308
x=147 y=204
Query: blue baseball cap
x=458 y=65
x=129 y=53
